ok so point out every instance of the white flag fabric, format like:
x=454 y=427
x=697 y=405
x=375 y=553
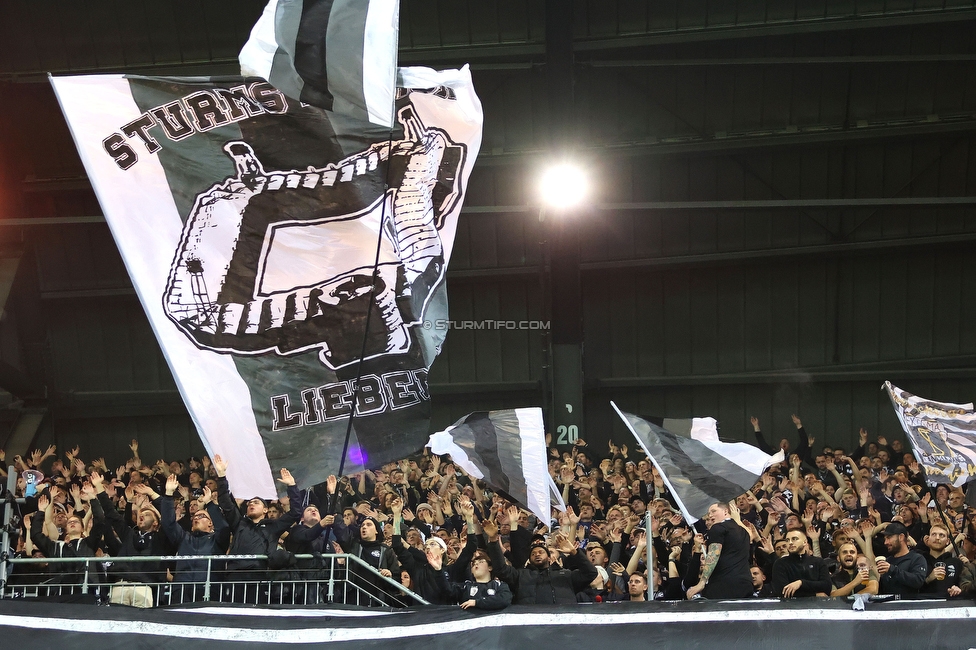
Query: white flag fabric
x=507 y=450
x=942 y=435
x=250 y=225
x=339 y=55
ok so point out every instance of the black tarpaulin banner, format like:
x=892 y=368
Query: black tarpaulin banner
x=751 y=625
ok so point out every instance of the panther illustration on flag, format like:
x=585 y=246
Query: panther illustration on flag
x=282 y=261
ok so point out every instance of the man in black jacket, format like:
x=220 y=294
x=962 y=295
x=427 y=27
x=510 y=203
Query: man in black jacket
x=208 y=535
x=367 y=545
x=800 y=574
x=903 y=571
x=145 y=538
x=253 y=534
x=540 y=583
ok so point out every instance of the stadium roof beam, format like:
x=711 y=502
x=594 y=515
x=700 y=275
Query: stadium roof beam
x=780 y=28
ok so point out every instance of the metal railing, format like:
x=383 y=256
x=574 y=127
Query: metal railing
x=315 y=580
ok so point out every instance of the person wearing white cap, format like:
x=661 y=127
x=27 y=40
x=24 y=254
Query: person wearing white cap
x=430 y=573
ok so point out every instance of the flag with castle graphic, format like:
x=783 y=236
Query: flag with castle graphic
x=263 y=235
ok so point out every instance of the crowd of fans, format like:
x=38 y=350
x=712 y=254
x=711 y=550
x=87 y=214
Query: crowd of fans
x=822 y=523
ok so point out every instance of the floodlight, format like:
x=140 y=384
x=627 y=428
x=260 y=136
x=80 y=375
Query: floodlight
x=563 y=186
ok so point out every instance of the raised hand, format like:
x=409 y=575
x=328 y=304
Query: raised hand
x=490 y=528
x=862 y=436
x=43 y=503
x=142 y=488
x=330 y=483
x=796 y=421
x=755 y=422
x=134 y=446
x=566 y=474
x=220 y=465
x=617 y=569
x=286 y=477
x=466 y=508
x=882 y=441
x=572 y=517
x=397 y=506
x=563 y=544
x=171 y=484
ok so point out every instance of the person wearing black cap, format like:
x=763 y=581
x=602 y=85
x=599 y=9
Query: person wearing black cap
x=255 y=533
x=902 y=572
x=541 y=583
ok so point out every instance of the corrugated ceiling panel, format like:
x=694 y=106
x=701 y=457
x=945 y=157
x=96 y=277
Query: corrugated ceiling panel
x=171 y=437
x=103 y=345
x=491 y=355
x=82 y=256
x=785 y=316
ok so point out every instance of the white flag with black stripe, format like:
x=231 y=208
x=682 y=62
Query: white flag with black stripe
x=507 y=450
x=698 y=472
x=339 y=55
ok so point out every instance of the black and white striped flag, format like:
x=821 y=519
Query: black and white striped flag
x=339 y=55
x=507 y=450
x=699 y=472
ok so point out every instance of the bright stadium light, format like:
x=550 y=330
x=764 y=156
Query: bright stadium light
x=563 y=186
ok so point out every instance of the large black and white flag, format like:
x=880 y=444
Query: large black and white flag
x=698 y=471
x=942 y=435
x=507 y=450
x=335 y=54
x=251 y=224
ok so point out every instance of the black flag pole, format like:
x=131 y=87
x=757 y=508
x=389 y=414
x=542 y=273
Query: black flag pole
x=369 y=313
